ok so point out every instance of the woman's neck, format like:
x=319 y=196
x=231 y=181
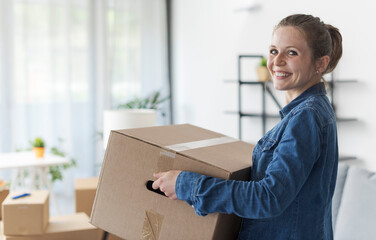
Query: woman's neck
x=290 y=95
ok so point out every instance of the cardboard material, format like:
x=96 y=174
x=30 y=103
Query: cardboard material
x=3 y=194
x=72 y=227
x=85 y=189
x=26 y=215
x=123 y=206
x=110 y=236
x=1 y=231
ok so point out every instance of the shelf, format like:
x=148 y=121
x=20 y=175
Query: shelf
x=332 y=83
x=346 y=119
x=243 y=114
x=342 y=81
x=250 y=82
x=250 y=56
x=346 y=158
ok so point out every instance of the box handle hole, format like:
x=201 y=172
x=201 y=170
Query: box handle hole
x=149 y=186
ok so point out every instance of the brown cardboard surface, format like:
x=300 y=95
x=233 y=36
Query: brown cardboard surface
x=109 y=236
x=123 y=206
x=3 y=194
x=1 y=230
x=217 y=155
x=86 y=183
x=72 y=227
x=85 y=189
x=113 y=237
x=27 y=215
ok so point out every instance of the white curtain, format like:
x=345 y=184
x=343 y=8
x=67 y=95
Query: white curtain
x=62 y=62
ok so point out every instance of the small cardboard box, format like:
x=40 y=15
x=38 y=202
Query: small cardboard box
x=85 y=189
x=27 y=215
x=72 y=227
x=125 y=207
x=3 y=194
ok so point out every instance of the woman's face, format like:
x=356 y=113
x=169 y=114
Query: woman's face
x=290 y=62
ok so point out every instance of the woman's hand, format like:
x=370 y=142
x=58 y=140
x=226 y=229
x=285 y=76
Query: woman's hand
x=166 y=182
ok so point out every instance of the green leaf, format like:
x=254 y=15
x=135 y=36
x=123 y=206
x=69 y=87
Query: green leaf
x=151 y=102
x=263 y=62
x=38 y=142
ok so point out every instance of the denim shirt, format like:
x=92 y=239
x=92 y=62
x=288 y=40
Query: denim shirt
x=293 y=175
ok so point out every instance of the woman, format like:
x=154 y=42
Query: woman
x=295 y=164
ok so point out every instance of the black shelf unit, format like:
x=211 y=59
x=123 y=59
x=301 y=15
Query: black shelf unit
x=266 y=90
x=332 y=83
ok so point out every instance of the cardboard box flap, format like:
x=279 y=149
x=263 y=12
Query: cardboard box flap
x=170 y=135
x=230 y=156
x=200 y=144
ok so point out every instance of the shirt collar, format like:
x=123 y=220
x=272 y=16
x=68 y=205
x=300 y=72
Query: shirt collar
x=317 y=89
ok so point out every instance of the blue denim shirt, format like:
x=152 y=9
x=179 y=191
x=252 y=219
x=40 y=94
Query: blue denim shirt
x=294 y=169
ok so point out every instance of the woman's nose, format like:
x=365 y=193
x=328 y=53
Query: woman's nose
x=279 y=60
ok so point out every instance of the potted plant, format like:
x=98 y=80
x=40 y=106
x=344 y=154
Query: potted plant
x=138 y=112
x=54 y=171
x=38 y=147
x=262 y=71
x=151 y=102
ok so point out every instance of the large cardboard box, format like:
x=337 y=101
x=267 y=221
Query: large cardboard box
x=3 y=194
x=27 y=215
x=125 y=207
x=85 y=189
x=72 y=227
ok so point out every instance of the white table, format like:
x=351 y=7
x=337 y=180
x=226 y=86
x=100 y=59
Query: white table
x=26 y=165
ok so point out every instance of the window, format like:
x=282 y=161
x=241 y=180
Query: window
x=62 y=62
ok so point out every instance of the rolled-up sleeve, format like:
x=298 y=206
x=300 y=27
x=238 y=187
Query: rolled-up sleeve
x=185 y=186
x=293 y=158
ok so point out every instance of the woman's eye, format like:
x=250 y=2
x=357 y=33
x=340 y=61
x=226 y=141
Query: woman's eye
x=294 y=53
x=273 y=51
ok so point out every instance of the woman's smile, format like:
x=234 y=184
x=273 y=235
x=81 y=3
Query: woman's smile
x=280 y=75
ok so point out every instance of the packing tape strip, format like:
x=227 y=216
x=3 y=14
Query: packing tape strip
x=167 y=155
x=152 y=225
x=200 y=144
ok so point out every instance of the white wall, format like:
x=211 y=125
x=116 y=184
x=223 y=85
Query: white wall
x=208 y=36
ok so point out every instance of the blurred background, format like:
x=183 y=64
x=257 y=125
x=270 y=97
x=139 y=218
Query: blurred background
x=64 y=62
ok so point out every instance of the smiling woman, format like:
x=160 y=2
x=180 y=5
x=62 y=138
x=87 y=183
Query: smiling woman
x=294 y=166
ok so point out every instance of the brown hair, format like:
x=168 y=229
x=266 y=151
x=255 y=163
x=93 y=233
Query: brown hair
x=323 y=39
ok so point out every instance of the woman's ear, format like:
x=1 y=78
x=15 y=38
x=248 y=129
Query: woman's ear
x=322 y=64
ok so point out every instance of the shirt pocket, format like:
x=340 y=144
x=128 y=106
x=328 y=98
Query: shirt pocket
x=264 y=155
x=266 y=144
